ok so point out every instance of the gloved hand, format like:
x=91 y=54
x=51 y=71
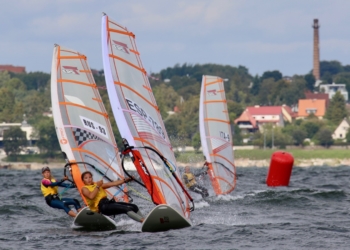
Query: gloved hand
x=64 y=178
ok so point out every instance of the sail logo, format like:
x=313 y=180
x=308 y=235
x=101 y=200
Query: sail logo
x=121 y=46
x=63 y=140
x=225 y=136
x=211 y=92
x=136 y=108
x=70 y=70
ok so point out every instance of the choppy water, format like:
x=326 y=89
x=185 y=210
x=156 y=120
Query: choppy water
x=312 y=213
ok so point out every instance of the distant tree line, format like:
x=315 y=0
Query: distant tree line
x=29 y=94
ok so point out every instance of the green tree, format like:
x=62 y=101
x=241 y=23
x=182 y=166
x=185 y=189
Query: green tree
x=4 y=78
x=7 y=106
x=34 y=80
x=311 y=127
x=276 y=75
x=36 y=103
x=324 y=137
x=237 y=135
x=292 y=92
x=348 y=136
x=330 y=68
x=256 y=85
x=336 y=111
x=310 y=82
x=266 y=92
x=235 y=109
x=45 y=131
x=299 y=135
x=14 y=141
x=196 y=142
x=166 y=98
x=14 y=84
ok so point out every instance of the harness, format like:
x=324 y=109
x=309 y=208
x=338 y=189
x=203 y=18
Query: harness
x=51 y=197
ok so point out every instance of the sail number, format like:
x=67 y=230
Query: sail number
x=95 y=126
x=136 y=108
x=225 y=136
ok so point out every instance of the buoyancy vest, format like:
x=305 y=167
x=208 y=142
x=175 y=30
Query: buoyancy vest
x=191 y=179
x=47 y=190
x=93 y=204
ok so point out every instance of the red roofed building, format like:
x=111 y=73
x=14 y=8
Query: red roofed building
x=307 y=107
x=12 y=68
x=254 y=117
x=317 y=96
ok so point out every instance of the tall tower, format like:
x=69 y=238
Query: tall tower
x=316 y=70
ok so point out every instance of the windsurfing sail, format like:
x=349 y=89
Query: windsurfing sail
x=139 y=119
x=82 y=124
x=216 y=136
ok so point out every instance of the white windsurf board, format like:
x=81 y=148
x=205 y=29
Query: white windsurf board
x=88 y=220
x=163 y=218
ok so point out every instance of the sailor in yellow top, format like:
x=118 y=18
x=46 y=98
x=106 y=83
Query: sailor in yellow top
x=49 y=188
x=97 y=200
x=191 y=184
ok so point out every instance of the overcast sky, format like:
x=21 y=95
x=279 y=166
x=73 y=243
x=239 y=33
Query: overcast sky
x=261 y=35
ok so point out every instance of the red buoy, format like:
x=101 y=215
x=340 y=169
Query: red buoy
x=280 y=169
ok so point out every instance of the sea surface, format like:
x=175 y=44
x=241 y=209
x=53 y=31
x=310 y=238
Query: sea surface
x=312 y=213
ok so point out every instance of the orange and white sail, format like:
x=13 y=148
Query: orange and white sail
x=81 y=121
x=216 y=136
x=138 y=118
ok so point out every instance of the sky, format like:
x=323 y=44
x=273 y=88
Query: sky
x=262 y=35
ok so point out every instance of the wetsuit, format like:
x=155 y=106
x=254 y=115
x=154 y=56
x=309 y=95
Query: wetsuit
x=191 y=184
x=110 y=207
x=49 y=188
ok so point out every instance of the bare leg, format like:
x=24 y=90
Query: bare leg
x=71 y=213
x=135 y=216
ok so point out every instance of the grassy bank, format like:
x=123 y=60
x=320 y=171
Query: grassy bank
x=192 y=157
x=40 y=158
x=260 y=154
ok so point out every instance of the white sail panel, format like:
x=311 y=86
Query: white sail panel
x=82 y=124
x=137 y=114
x=216 y=136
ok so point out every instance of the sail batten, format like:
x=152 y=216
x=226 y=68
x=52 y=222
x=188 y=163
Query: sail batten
x=216 y=136
x=138 y=117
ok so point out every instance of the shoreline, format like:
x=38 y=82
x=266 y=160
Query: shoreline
x=238 y=162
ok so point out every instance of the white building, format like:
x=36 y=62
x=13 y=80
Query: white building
x=341 y=131
x=331 y=89
x=25 y=127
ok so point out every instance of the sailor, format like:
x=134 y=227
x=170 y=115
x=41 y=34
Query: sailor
x=49 y=188
x=97 y=200
x=191 y=184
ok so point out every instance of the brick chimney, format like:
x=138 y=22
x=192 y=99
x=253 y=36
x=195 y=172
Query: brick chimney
x=316 y=69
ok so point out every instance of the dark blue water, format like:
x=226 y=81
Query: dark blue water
x=312 y=213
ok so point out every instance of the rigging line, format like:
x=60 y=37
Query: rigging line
x=140 y=195
x=87 y=163
x=109 y=166
x=226 y=168
x=173 y=172
x=62 y=192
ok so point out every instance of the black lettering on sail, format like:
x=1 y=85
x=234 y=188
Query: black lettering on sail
x=131 y=106
x=136 y=108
